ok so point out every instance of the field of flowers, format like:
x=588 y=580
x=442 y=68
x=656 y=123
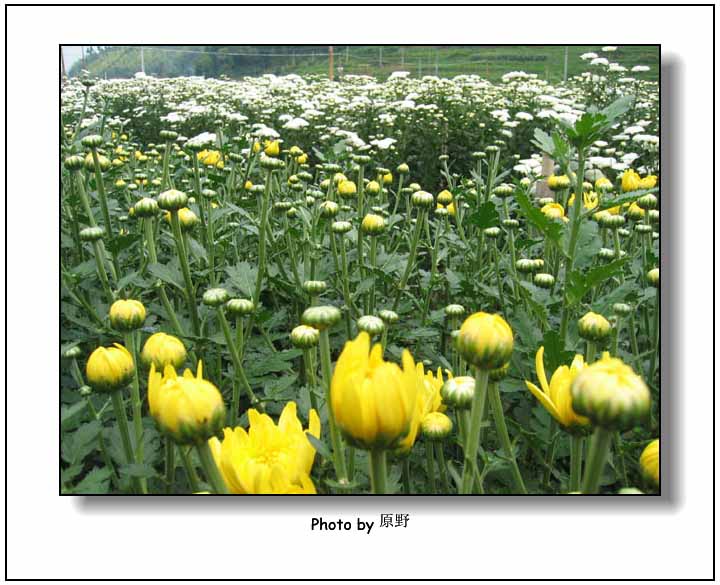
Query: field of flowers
x=294 y=285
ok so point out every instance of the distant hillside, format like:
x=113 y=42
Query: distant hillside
x=235 y=61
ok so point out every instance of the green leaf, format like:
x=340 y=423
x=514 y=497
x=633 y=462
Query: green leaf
x=552 y=229
x=628 y=197
x=167 y=273
x=243 y=276
x=579 y=284
x=95 y=482
x=198 y=250
x=555 y=354
x=588 y=244
x=486 y=216
x=138 y=470
x=320 y=447
x=619 y=107
x=67 y=413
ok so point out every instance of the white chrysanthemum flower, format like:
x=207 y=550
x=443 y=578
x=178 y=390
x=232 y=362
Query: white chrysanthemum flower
x=588 y=56
x=202 y=139
x=600 y=61
x=633 y=129
x=609 y=49
x=296 y=124
x=383 y=144
x=525 y=116
x=640 y=69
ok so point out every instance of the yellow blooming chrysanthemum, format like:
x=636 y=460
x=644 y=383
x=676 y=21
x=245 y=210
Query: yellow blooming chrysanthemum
x=590 y=200
x=556 y=397
x=554 y=211
x=648 y=182
x=268 y=458
x=630 y=181
x=211 y=158
x=373 y=401
x=428 y=400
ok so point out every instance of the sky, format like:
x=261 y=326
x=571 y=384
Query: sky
x=72 y=54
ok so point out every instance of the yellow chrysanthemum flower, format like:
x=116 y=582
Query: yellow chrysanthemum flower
x=630 y=181
x=590 y=200
x=373 y=401
x=211 y=158
x=188 y=408
x=554 y=211
x=268 y=458
x=650 y=461
x=556 y=397
x=648 y=182
x=428 y=400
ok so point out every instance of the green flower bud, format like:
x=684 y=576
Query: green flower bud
x=422 y=199
x=341 y=227
x=511 y=224
x=146 y=207
x=654 y=216
x=444 y=197
x=459 y=392
x=436 y=426
x=594 y=327
x=492 y=232
x=281 y=206
x=558 y=182
x=92 y=141
x=172 y=200
x=314 y=287
x=402 y=169
x=525 y=265
x=304 y=337
x=73 y=352
x=372 y=188
x=621 y=309
x=648 y=201
x=321 y=317
x=642 y=228
x=612 y=222
x=168 y=135
x=611 y=395
x=653 y=277
x=74 y=163
x=606 y=254
x=214 y=297
x=389 y=316
x=545 y=201
x=544 y=280
x=503 y=191
x=209 y=194
x=499 y=373
x=372 y=325
x=91 y=234
x=454 y=310
x=240 y=307
x=85 y=391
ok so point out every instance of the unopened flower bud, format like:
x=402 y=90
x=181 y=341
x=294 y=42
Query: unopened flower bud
x=373 y=224
x=485 y=341
x=436 y=426
x=341 y=227
x=389 y=316
x=146 y=207
x=372 y=325
x=162 y=349
x=648 y=201
x=91 y=234
x=503 y=190
x=172 y=200
x=594 y=327
x=321 y=317
x=109 y=368
x=459 y=392
x=544 y=280
x=314 y=287
x=127 y=315
x=214 y=297
x=304 y=337
x=622 y=309
x=653 y=277
x=492 y=232
x=454 y=310
x=239 y=307
x=444 y=197
x=92 y=141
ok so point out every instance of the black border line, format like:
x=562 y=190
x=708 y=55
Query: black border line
x=356 y=495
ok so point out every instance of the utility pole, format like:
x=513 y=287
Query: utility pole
x=142 y=59
x=82 y=54
x=566 y=64
x=347 y=54
x=330 y=62
x=437 y=57
x=63 y=72
x=380 y=56
x=402 y=56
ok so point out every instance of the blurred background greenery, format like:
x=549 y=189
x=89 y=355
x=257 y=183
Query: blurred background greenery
x=235 y=61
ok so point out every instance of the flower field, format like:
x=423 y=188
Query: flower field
x=296 y=285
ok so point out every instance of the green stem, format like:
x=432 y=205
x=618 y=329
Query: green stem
x=442 y=467
x=335 y=439
x=189 y=469
x=411 y=257
x=102 y=273
x=590 y=352
x=345 y=277
x=182 y=255
x=310 y=375
x=599 y=445
x=472 y=433
x=502 y=432
x=378 y=471
x=239 y=370
x=406 y=471
x=136 y=407
x=212 y=473
x=104 y=208
x=617 y=439
x=373 y=266
x=101 y=442
x=655 y=338
x=169 y=464
x=119 y=408
x=430 y=464
x=576 y=453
